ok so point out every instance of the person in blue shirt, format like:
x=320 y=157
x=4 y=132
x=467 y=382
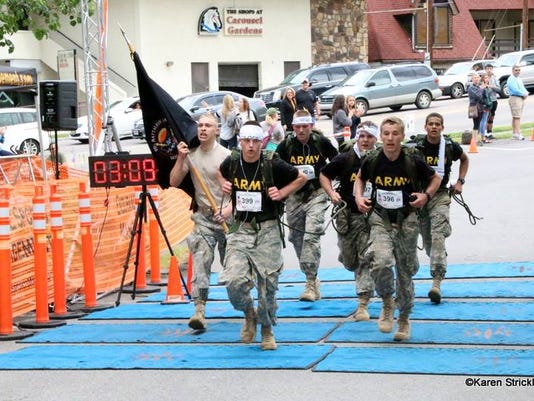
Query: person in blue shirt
x=518 y=95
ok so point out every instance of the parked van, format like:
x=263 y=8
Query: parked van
x=21 y=131
x=387 y=86
x=322 y=77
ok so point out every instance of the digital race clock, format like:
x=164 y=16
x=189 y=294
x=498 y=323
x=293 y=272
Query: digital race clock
x=122 y=170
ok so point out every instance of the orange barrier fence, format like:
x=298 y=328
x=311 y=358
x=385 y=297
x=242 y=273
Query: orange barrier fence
x=112 y=217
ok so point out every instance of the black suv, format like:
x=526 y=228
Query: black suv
x=322 y=77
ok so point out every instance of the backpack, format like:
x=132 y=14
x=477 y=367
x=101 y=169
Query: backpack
x=315 y=138
x=418 y=142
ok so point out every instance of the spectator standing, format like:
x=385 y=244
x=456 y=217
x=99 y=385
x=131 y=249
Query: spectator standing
x=354 y=114
x=402 y=182
x=351 y=225
x=254 y=247
x=245 y=112
x=309 y=152
x=518 y=95
x=272 y=130
x=494 y=87
x=288 y=106
x=229 y=119
x=475 y=92
x=208 y=233
x=307 y=99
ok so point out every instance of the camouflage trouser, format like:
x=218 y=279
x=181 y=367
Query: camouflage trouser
x=206 y=235
x=435 y=227
x=254 y=259
x=353 y=242
x=396 y=247
x=305 y=218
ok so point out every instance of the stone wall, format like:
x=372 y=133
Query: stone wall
x=339 y=31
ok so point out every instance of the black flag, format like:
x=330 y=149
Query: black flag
x=166 y=124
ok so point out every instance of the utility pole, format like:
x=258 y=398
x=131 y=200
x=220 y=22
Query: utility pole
x=524 y=23
x=430 y=29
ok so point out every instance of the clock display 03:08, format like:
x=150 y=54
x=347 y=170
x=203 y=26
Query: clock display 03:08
x=124 y=172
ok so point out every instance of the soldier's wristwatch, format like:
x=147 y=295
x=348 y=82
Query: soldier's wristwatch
x=461 y=181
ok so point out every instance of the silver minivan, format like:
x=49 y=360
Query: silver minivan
x=388 y=86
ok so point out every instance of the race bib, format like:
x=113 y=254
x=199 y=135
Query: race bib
x=248 y=201
x=389 y=199
x=307 y=170
x=368 y=190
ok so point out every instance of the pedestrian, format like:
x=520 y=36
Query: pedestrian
x=486 y=104
x=308 y=100
x=402 y=183
x=340 y=118
x=208 y=233
x=439 y=151
x=55 y=156
x=518 y=95
x=245 y=112
x=288 y=106
x=355 y=114
x=309 y=152
x=351 y=225
x=475 y=93
x=272 y=130
x=3 y=152
x=230 y=122
x=254 y=245
x=494 y=87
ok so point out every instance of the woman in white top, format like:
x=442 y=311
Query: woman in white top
x=228 y=137
x=244 y=111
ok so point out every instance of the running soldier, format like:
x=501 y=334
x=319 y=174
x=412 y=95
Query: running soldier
x=439 y=152
x=351 y=225
x=208 y=232
x=402 y=182
x=308 y=151
x=257 y=184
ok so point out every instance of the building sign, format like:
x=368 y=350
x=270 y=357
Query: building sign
x=209 y=22
x=66 y=64
x=243 y=21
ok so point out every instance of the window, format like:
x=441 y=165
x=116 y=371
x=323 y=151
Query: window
x=442 y=26
x=28 y=117
x=528 y=59
x=7 y=119
x=403 y=73
x=337 y=73
x=381 y=78
x=421 y=71
x=319 y=76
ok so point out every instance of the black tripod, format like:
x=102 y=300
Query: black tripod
x=140 y=216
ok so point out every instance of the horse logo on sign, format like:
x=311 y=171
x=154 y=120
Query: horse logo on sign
x=210 y=22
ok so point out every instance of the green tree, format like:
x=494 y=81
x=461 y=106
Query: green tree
x=38 y=16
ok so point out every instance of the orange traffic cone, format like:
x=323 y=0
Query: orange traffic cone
x=346 y=133
x=473 y=145
x=175 y=292
x=532 y=137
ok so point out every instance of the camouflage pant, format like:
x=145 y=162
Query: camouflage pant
x=394 y=247
x=353 y=242
x=435 y=227
x=305 y=218
x=202 y=241
x=254 y=259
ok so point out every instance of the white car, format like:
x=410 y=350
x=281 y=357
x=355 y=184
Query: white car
x=21 y=131
x=124 y=115
x=455 y=80
x=503 y=68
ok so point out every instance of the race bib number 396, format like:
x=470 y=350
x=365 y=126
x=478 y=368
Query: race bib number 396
x=389 y=199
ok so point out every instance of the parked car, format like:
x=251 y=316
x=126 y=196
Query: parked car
x=124 y=113
x=322 y=77
x=21 y=131
x=387 y=86
x=502 y=69
x=196 y=103
x=455 y=80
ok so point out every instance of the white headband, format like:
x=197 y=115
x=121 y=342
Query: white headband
x=251 y=131
x=302 y=120
x=369 y=129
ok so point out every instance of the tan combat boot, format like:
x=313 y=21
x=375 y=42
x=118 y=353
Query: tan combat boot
x=267 y=339
x=361 y=313
x=385 y=321
x=198 y=321
x=248 y=331
x=403 y=329
x=311 y=291
x=435 y=292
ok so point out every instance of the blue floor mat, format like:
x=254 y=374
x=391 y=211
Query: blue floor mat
x=474 y=270
x=163 y=357
x=482 y=333
x=221 y=332
x=323 y=308
x=450 y=289
x=442 y=361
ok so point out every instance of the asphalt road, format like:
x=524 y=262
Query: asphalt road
x=499 y=188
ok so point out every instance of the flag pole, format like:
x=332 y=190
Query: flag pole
x=130 y=46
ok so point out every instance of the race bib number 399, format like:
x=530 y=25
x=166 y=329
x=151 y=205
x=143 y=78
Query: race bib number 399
x=248 y=201
x=389 y=199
